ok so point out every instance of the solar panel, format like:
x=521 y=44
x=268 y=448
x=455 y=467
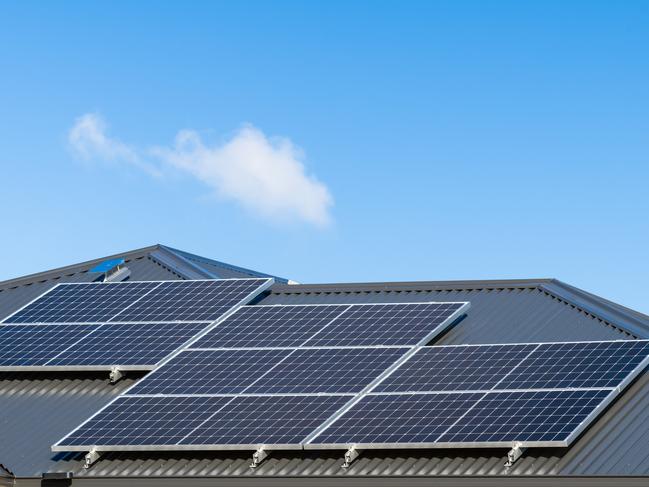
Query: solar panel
x=270 y=326
x=34 y=345
x=82 y=303
x=337 y=370
x=123 y=302
x=254 y=421
x=133 y=421
x=568 y=365
x=542 y=416
x=455 y=368
x=209 y=372
x=572 y=383
x=202 y=422
x=127 y=344
x=406 y=324
x=449 y=419
x=190 y=300
x=403 y=324
x=402 y=418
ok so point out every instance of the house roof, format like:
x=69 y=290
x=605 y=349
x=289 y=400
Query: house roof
x=42 y=408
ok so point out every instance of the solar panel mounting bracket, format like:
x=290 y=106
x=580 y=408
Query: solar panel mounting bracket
x=91 y=457
x=350 y=455
x=259 y=456
x=115 y=374
x=514 y=454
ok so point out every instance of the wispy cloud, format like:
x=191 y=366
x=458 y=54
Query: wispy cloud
x=265 y=175
x=89 y=140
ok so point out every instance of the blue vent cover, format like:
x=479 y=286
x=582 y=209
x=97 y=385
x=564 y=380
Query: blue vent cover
x=106 y=266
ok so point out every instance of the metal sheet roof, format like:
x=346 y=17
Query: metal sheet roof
x=502 y=311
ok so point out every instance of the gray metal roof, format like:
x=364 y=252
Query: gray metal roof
x=41 y=410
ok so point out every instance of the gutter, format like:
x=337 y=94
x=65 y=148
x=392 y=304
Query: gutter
x=346 y=481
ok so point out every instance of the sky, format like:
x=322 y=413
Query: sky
x=332 y=141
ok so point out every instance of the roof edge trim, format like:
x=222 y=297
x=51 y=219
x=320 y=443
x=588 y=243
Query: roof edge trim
x=616 y=316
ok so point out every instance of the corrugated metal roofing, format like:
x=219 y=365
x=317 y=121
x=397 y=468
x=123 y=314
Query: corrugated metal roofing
x=502 y=311
x=37 y=410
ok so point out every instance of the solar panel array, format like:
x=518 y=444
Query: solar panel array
x=336 y=376
x=273 y=373
x=489 y=395
x=127 y=324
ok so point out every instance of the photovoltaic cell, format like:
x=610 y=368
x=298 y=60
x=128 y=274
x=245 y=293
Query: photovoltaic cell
x=209 y=372
x=32 y=345
x=385 y=324
x=338 y=370
x=132 y=421
x=548 y=416
x=190 y=300
x=82 y=303
x=398 y=418
x=265 y=420
x=270 y=326
x=142 y=344
x=455 y=368
x=568 y=365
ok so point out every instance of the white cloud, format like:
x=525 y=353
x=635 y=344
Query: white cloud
x=89 y=140
x=265 y=175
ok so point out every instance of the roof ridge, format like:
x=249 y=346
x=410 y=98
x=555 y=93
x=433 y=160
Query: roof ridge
x=410 y=285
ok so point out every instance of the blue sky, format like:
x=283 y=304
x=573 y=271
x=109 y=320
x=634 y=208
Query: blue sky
x=456 y=140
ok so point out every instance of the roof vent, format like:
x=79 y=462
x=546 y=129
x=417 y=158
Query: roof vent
x=113 y=270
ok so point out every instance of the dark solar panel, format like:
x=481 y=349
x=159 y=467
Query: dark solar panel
x=547 y=416
x=270 y=326
x=142 y=344
x=569 y=365
x=405 y=324
x=209 y=372
x=265 y=420
x=82 y=303
x=455 y=368
x=190 y=300
x=132 y=421
x=35 y=345
x=398 y=418
x=327 y=371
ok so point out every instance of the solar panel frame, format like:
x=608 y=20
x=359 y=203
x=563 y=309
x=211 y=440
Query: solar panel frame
x=613 y=393
x=17 y=351
x=225 y=401
x=436 y=436
x=314 y=341
x=205 y=342
x=9 y=318
x=462 y=307
x=118 y=345
x=234 y=372
x=266 y=284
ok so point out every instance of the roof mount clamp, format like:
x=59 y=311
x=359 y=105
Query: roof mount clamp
x=259 y=456
x=514 y=454
x=91 y=457
x=115 y=375
x=350 y=456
